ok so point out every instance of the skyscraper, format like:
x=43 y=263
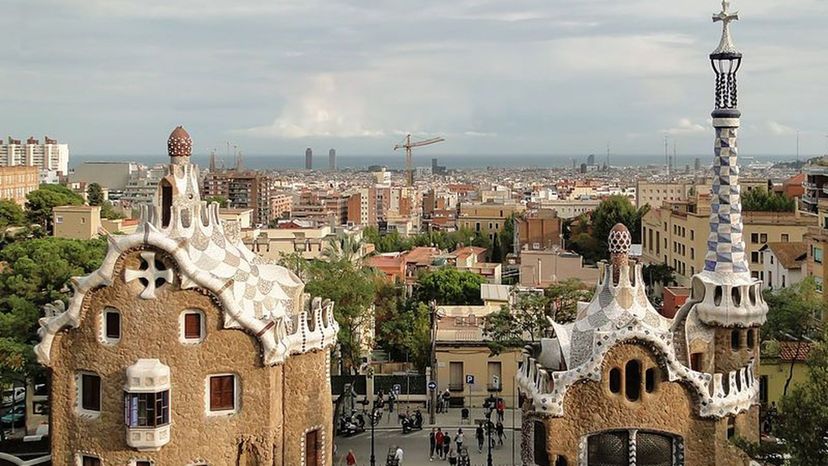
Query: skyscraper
x=332 y=159
x=308 y=159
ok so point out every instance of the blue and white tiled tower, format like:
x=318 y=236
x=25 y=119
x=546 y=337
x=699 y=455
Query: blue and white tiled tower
x=729 y=296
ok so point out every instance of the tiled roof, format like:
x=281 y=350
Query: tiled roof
x=794 y=350
x=790 y=255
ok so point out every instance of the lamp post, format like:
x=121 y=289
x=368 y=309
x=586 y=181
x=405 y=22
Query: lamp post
x=488 y=407
x=373 y=422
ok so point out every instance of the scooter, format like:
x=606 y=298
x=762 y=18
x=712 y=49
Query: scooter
x=413 y=422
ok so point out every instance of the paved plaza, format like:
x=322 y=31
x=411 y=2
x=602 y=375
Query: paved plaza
x=415 y=444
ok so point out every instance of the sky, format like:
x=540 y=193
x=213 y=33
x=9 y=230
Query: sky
x=113 y=77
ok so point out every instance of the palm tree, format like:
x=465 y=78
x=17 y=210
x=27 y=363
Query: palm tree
x=343 y=247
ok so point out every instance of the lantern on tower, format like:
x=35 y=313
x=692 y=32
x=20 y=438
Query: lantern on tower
x=726 y=60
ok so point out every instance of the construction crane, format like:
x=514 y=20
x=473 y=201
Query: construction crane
x=408 y=145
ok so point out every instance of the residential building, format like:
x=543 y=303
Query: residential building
x=244 y=189
x=473 y=259
x=783 y=263
x=142 y=184
x=240 y=218
x=48 y=156
x=186 y=348
x=567 y=209
x=461 y=350
x=115 y=176
x=362 y=207
x=537 y=229
x=321 y=206
x=305 y=237
x=623 y=384
x=542 y=268
x=653 y=193
x=488 y=219
x=281 y=205
x=76 y=221
x=781 y=360
x=674 y=234
x=18 y=181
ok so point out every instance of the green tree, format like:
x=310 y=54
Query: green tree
x=343 y=247
x=447 y=285
x=507 y=237
x=221 y=200
x=108 y=212
x=760 y=200
x=512 y=327
x=613 y=210
x=351 y=288
x=658 y=273
x=40 y=203
x=804 y=413
x=563 y=298
x=37 y=272
x=406 y=333
x=94 y=194
x=11 y=214
x=497 y=252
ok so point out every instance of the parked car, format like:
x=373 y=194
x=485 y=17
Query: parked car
x=16 y=416
x=13 y=395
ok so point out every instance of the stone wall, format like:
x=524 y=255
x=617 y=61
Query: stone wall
x=591 y=407
x=150 y=329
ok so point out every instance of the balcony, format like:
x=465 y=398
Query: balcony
x=148 y=439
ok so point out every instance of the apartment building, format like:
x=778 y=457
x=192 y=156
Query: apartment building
x=142 y=184
x=676 y=234
x=362 y=207
x=113 y=175
x=243 y=189
x=488 y=219
x=567 y=209
x=281 y=205
x=783 y=264
x=654 y=193
x=49 y=156
x=16 y=182
x=321 y=206
x=537 y=229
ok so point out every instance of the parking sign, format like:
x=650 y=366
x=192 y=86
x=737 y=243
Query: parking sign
x=470 y=379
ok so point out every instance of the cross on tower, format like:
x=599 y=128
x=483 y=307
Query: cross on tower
x=152 y=277
x=726 y=17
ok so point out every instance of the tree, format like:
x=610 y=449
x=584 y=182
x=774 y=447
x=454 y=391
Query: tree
x=94 y=194
x=447 y=285
x=108 y=212
x=658 y=273
x=507 y=237
x=564 y=297
x=40 y=203
x=760 y=200
x=11 y=214
x=613 y=210
x=37 y=273
x=794 y=313
x=512 y=327
x=497 y=253
x=343 y=247
x=804 y=413
x=221 y=200
x=405 y=332
x=351 y=288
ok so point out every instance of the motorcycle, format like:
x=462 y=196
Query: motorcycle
x=412 y=422
x=351 y=424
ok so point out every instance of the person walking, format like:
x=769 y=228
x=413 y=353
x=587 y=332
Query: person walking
x=438 y=440
x=446 y=397
x=499 y=430
x=500 y=407
x=446 y=445
x=350 y=460
x=479 y=435
x=398 y=456
x=432 y=443
x=452 y=456
x=459 y=438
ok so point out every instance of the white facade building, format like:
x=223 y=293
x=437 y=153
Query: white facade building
x=782 y=264
x=48 y=156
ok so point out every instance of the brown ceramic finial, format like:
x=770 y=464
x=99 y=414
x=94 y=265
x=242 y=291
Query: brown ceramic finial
x=619 y=242
x=179 y=143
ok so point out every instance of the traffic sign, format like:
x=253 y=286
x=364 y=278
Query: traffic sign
x=397 y=388
x=470 y=379
x=432 y=385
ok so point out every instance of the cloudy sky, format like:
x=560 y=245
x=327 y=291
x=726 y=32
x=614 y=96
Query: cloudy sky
x=492 y=76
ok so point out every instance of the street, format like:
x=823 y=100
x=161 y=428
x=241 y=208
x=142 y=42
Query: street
x=415 y=444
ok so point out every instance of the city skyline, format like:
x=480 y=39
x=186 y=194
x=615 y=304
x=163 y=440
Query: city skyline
x=494 y=77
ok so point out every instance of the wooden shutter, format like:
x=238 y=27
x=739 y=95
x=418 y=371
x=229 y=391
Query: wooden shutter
x=192 y=325
x=312 y=457
x=222 y=393
x=91 y=392
x=113 y=324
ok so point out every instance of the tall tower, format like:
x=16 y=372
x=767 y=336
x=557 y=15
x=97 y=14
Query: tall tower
x=332 y=159
x=308 y=159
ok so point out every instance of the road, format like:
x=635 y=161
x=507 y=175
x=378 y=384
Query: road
x=415 y=448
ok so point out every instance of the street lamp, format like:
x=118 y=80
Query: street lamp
x=488 y=407
x=373 y=422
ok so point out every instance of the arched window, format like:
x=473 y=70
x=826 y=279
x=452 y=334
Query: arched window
x=650 y=379
x=615 y=380
x=561 y=461
x=166 y=202
x=632 y=380
x=751 y=340
x=651 y=448
x=735 y=339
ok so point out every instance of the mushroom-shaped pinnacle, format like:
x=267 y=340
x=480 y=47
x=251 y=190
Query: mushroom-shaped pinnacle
x=619 y=240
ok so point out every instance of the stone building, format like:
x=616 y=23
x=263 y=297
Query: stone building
x=625 y=385
x=185 y=348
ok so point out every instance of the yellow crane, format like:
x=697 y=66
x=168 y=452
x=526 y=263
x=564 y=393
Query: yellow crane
x=408 y=145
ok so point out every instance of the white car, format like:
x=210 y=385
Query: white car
x=13 y=395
